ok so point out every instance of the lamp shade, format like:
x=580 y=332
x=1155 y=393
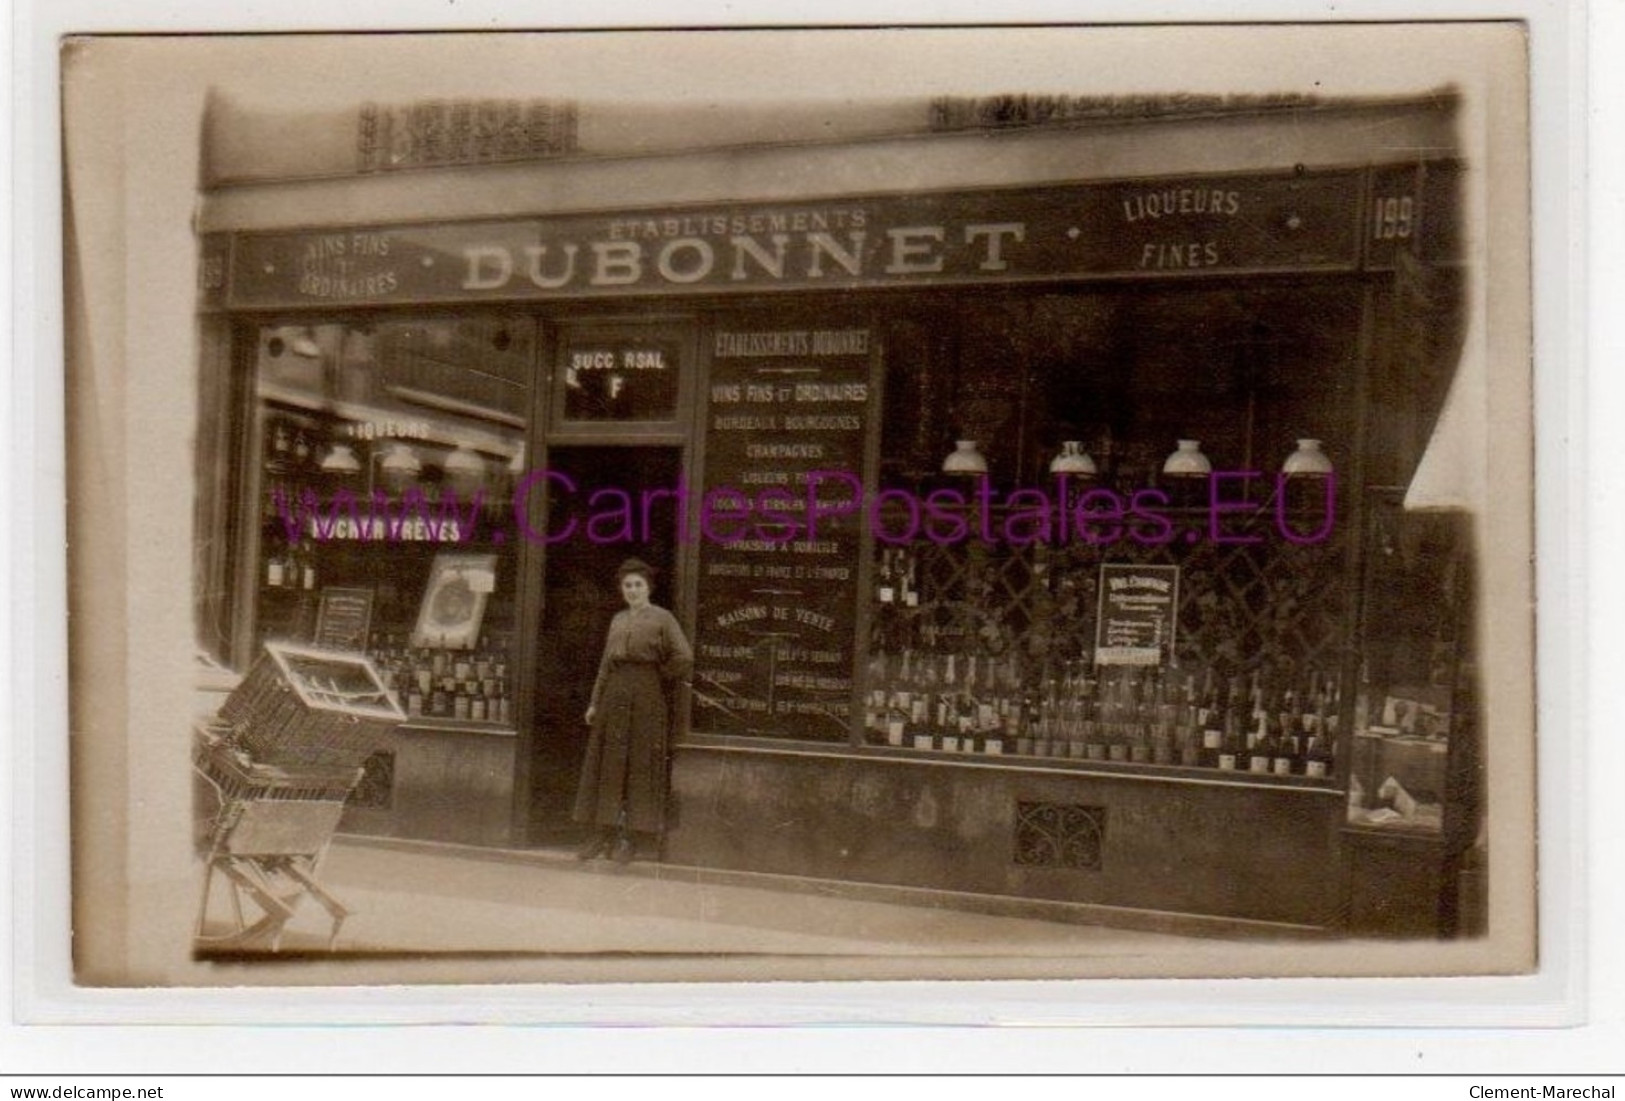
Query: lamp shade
x=465 y=470
x=965 y=459
x=1308 y=459
x=1187 y=460
x=341 y=460
x=1072 y=459
x=304 y=344
x=401 y=466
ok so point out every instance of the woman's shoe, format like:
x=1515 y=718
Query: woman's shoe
x=597 y=846
x=624 y=850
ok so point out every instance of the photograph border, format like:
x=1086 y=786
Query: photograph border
x=1550 y=997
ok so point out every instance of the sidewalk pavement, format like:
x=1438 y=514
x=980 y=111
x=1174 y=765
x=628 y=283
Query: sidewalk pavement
x=425 y=912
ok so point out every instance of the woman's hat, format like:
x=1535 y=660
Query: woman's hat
x=638 y=566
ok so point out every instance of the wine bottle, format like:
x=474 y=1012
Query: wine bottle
x=970 y=711
x=1262 y=752
x=927 y=704
x=899 y=703
x=874 y=700
x=1145 y=719
x=1027 y=721
x=948 y=707
x=1049 y=721
x=1117 y=716
x=1163 y=748
x=1317 y=758
x=1233 y=739
x=281 y=442
x=1086 y=736
x=1284 y=759
x=886 y=587
x=1189 y=731
x=1212 y=720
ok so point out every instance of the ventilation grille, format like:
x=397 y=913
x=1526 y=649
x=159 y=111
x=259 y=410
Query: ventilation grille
x=376 y=790
x=1060 y=835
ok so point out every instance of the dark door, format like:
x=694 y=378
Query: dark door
x=579 y=598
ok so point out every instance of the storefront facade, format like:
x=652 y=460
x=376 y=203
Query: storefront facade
x=1029 y=486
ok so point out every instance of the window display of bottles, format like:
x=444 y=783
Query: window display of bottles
x=993 y=706
x=438 y=683
x=311 y=544
x=896 y=581
x=993 y=647
x=291 y=566
x=374 y=450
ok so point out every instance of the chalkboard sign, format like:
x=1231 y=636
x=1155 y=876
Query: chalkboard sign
x=1138 y=611
x=343 y=618
x=788 y=414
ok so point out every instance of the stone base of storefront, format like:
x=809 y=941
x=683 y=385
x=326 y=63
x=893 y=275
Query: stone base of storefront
x=438 y=785
x=1130 y=847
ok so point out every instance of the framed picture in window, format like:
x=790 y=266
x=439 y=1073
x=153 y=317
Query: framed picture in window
x=454 y=601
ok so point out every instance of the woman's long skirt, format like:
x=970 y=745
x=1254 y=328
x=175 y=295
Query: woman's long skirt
x=625 y=766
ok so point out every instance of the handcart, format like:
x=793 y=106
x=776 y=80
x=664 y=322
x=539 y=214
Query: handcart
x=278 y=765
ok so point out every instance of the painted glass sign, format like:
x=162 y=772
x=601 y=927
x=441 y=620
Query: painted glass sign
x=788 y=414
x=614 y=379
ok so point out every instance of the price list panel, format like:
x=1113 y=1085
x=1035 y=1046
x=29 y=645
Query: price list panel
x=788 y=414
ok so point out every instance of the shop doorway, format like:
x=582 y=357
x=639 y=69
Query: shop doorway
x=579 y=596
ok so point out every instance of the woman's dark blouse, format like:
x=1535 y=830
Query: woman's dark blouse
x=647 y=635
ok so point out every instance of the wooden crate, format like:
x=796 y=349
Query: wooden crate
x=301 y=707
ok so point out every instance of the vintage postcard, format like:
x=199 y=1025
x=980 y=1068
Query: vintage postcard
x=1044 y=502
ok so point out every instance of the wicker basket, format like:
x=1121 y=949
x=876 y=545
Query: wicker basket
x=230 y=784
x=302 y=708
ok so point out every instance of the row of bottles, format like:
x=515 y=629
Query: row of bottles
x=897 y=582
x=438 y=682
x=291 y=567
x=958 y=704
x=299 y=461
x=291 y=446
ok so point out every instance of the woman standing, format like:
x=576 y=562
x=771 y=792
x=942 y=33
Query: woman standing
x=623 y=780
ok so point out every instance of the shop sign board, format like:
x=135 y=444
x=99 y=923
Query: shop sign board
x=788 y=417
x=1180 y=226
x=619 y=379
x=1138 y=613
x=343 y=618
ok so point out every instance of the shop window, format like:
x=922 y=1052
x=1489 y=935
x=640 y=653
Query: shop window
x=385 y=458
x=1062 y=578
x=1413 y=756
